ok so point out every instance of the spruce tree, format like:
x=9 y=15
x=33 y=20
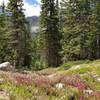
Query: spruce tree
x=75 y=23
x=4 y=34
x=2 y=38
x=18 y=31
x=50 y=31
x=95 y=28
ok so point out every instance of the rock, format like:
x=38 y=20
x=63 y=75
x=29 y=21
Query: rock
x=2 y=81
x=51 y=76
x=95 y=76
x=77 y=67
x=98 y=79
x=26 y=72
x=4 y=95
x=6 y=66
x=88 y=91
x=59 y=85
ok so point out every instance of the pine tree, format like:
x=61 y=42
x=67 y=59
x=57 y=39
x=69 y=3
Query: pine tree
x=4 y=35
x=18 y=31
x=76 y=29
x=50 y=29
x=2 y=38
x=80 y=27
x=95 y=28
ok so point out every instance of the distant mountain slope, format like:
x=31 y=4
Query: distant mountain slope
x=34 y=23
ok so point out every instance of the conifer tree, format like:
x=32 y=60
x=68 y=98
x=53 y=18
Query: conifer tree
x=3 y=34
x=18 y=31
x=95 y=28
x=2 y=37
x=50 y=30
x=80 y=26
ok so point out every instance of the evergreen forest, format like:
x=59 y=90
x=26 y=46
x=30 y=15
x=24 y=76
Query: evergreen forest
x=61 y=61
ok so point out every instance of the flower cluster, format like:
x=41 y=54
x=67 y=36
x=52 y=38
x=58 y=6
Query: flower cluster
x=42 y=82
x=96 y=95
x=80 y=85
x=23 y=80
x=75 y=81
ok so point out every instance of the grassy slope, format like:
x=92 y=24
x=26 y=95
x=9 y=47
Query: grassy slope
x=88 y=70
x=92 y=67
x=35 y=85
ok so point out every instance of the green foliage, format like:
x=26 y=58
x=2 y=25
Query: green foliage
x=79 y=25
x=77 y=83
x=49 y=25
x=4 y=37
x=37 y=53
x=73 y=26
x=91 y=67
x=15 y=39
x=69 y=64
x=20 y=35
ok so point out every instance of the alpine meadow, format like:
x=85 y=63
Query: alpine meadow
x=49 y=49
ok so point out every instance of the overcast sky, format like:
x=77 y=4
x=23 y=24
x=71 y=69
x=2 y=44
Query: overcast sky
x=32 y=7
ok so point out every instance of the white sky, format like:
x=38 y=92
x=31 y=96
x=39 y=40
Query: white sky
x=30 y=10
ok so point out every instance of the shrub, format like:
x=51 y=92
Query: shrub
x=23 y=80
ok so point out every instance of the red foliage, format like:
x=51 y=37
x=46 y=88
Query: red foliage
x=75 y=81
x=96 y=94
x=42 y=82
x=80 y=85
x=23 y=80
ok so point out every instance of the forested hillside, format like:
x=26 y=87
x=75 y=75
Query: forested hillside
x=63 y=42
x=34 y=24
x=80 y=22
x=67 y=31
